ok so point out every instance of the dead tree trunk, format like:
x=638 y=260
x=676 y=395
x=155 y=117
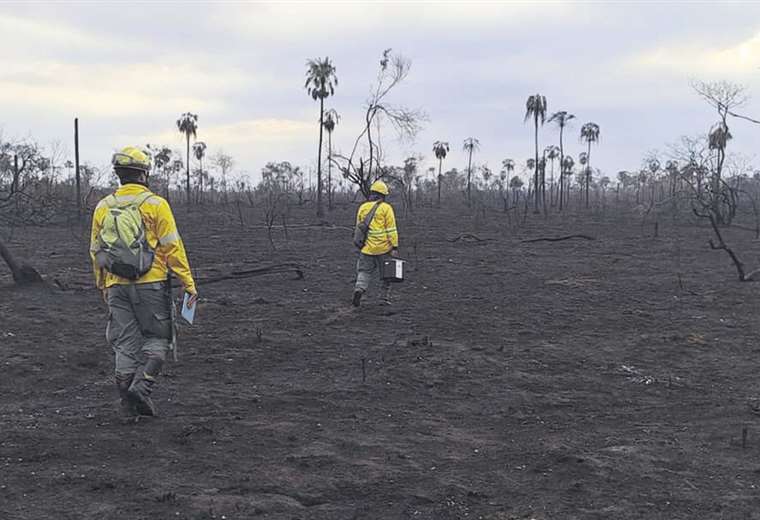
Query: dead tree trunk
x=744 y=276
x=23 y=273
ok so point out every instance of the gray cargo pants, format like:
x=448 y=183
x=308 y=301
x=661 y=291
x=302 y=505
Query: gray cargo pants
x=139 y=324
x=366 y=265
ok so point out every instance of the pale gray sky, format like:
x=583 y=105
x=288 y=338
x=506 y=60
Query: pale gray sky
x=128 y=70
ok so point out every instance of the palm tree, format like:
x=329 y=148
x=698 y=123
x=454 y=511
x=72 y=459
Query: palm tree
x=535 y=108
x=440 y=149
x=530 y=164
x=542 y=178
x=551 y=152
x=561 y=119
x=583 y=161
x=199 y=150
x=320 y=84
x=516 y=185
x=568 y=163
x=508 y=165
x=187 y=124
x=487 y=173
x=590 y=134
x=470 y=145
x=331 y=119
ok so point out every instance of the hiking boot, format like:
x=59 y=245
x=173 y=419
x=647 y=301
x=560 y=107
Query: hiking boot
x=126 y=404
x=142 y=386
x=139 y=395
x=357 y=299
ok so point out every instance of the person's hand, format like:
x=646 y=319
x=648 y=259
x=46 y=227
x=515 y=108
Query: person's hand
x=193 y=297
x=394 y=253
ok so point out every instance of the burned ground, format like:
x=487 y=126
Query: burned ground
x=570 y=380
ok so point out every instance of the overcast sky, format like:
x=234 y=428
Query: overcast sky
x=128 y=70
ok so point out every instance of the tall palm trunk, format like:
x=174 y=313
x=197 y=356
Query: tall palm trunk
x=551 y=185
x=588 y=171
x=469 y=178
x=440 y=178
x=561 y=168
x=536 y=190
x=543 y=184
x=319 y=158
x=200 y=182
x=329 y=172
x=187 y=183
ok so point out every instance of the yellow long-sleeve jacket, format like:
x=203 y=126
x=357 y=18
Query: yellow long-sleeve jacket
x=382 y=235
x=161 y=233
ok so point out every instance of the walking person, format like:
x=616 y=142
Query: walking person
x=134 y=244
x=381 y=241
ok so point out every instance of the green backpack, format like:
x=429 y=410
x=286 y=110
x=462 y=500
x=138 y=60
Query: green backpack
x=122 y=247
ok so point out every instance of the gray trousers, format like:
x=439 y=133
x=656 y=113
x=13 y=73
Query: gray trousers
x=139 y=324
x=366 y=266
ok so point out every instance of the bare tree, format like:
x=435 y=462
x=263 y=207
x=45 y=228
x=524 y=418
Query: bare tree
x=225 y=163
x=362 y=166
x=725 y=97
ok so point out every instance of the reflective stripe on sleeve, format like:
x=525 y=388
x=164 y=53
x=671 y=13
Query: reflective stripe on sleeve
x=381 y=231
x=169 y=239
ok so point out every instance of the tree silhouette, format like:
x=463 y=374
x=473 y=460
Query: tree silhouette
x=590 y=134
x=535 y=108
x=440 y=149
x=331 y=120
x=470 y=145
x=187 y=125
x=568 y=163
x=561 y=119
x=199 y=150
x=551 y=152
x=320 y=84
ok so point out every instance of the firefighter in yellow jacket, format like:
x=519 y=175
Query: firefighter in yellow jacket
x=382 y=241
x=134 y=243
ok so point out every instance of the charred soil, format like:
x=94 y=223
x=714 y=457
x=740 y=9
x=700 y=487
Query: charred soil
x=576 y=379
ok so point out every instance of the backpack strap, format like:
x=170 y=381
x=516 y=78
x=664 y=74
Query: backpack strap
x=143 y=198
x=371 y=215
x=112 y=201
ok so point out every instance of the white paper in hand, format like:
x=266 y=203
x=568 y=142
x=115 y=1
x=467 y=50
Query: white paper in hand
x=188 y=313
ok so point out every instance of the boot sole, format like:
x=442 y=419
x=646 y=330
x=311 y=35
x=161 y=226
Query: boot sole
x=143 y=405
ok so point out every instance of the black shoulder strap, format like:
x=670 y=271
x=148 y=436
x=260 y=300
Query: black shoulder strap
x=371 y=213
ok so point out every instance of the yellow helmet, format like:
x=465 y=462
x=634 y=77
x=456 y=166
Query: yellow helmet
x=379 y=187
x=131 y=157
